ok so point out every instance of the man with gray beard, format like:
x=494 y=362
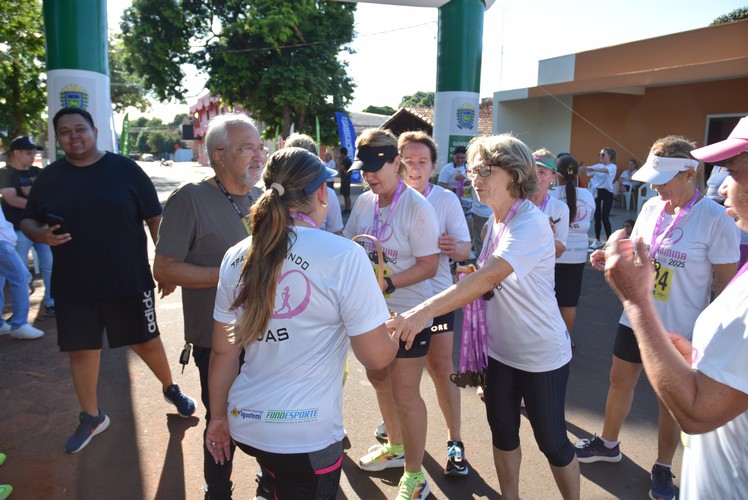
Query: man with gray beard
x=200 y=222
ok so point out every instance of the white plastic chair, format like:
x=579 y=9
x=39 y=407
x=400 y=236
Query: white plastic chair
x=645 y=192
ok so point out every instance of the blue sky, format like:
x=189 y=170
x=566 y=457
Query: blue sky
x=396 y=46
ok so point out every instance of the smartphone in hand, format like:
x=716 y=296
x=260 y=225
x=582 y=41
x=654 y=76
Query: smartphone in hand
x=54 y=220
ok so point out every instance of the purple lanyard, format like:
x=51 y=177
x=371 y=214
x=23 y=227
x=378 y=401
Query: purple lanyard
x=488 y=250
x=376 y=230
x=474 y=339
x=428 y=189
x=545 y=202
x=305 y=218
x=244 y=219
x=659 y=236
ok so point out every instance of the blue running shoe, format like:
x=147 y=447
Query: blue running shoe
x=88 y=427
x=662 y=483
x=185 y=404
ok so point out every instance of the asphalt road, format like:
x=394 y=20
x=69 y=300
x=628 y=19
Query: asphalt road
x=149 y=452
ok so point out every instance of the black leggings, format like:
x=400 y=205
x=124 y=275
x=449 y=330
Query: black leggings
x=544 y=394
x=603 y=204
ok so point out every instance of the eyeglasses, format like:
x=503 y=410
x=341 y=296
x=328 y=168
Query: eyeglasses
x=484 y=171
x=246 y=150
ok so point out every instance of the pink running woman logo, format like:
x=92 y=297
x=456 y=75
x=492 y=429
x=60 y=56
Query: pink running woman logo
x=294 y=293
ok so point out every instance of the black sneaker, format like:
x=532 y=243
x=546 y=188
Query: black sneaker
x=456 y=463
x=594 y=450
x=88 y=427
x=185 y=404
x=662 y=483
x=50 y=310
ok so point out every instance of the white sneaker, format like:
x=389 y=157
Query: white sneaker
x=5 y=328
x=26 y=332
x=597 y=244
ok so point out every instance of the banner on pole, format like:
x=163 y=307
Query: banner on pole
x=348 y=140
x=125 y=138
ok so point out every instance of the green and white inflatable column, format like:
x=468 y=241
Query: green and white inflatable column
x=457 y=100
x=78 y=65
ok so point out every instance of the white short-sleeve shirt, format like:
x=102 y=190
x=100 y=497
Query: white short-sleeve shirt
x=411 y=231
x=287 y=397
x=451 y=222
x=715 y=463
x=704 y=237
x=525 y=328
x=577 y=242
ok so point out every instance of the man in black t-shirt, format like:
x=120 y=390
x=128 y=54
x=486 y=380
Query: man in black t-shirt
x=90 y=207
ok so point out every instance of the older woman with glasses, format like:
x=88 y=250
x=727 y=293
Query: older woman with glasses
x=529 y=351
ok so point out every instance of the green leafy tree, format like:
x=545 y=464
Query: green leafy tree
x=380 y=110
x=127 y=88
x=161 y=142
x=276 y=58
x=418 y=100
x=735 y=15
x=23 y=96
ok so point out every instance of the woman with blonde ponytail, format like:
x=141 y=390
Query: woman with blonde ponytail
x=294 y=297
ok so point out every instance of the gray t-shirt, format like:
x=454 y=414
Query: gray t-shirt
x=197 y=227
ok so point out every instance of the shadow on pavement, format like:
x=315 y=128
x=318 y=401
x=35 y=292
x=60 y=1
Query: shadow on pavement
x=172 y=480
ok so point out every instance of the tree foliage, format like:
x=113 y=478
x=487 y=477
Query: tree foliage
x=276 y=58
x=380 y=110
x=735 y=15
x=418 y=100
x=23 y=96
x=127 y=88
x=152 y=135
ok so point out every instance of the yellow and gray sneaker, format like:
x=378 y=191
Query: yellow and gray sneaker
x=413 y=486
x=383 y=456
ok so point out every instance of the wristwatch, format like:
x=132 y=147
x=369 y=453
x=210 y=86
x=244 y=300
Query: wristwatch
x=390 y=287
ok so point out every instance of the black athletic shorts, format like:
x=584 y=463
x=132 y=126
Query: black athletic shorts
x=81 y=324
x=568 y=284
x=626 y=347
x=443 y=324
x=420 y=347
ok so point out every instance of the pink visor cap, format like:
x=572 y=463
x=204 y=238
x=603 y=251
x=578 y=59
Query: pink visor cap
x=736 y=143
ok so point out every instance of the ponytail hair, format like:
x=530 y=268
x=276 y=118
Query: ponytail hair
x=568 y=168
x=289 y=172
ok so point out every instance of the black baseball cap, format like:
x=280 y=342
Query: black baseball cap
x=25 y=143
x=373 y=158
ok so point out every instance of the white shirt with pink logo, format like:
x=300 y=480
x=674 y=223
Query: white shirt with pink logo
x=411 y=231
x=577 y=242
x=683 y=282
x=288 y=396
